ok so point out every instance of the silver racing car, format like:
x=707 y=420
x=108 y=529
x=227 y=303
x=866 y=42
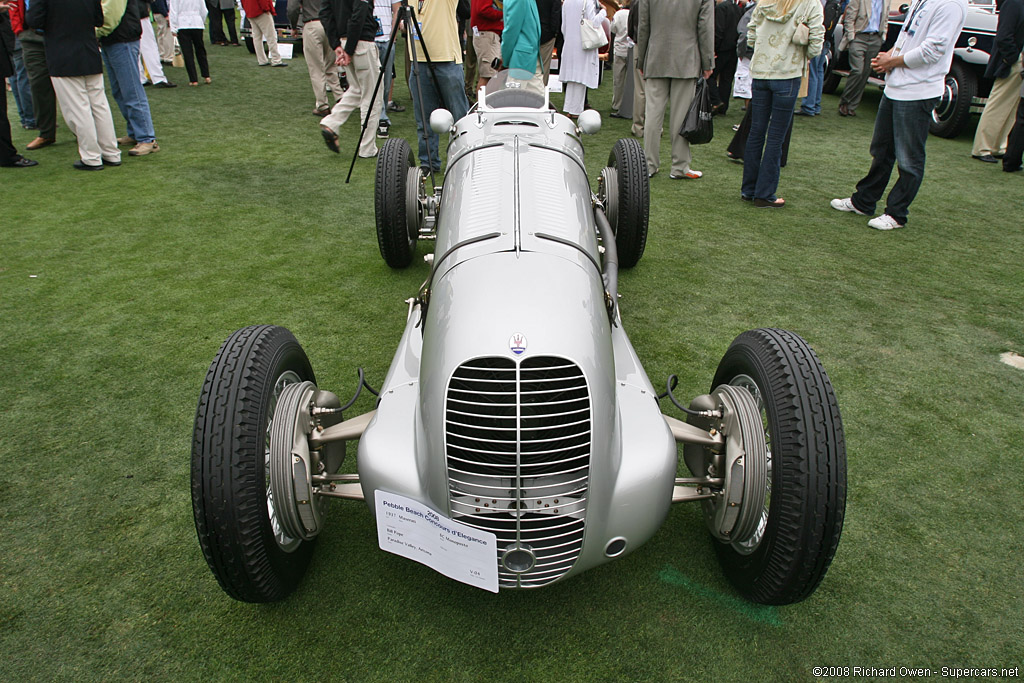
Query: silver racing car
x=516 y=440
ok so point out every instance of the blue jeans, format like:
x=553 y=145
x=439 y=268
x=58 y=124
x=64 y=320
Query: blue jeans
x=815 y=81
x=772 y=102
x=901 y=130
x=385 y=84
x=20 y=88
x=122 y=60
x=452 y=97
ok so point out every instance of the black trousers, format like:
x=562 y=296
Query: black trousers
x=721 y=79
x=44 y=100
x=191 y=41
x=217 y=15
x=1015 y=147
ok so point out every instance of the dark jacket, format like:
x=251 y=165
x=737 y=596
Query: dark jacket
x=727 y=15
x=550 y=12
x=1009 y=39
x=349 y=19
x=70 y=27
x=130 y=28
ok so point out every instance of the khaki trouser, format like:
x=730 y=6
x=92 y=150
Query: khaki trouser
x=677 y=93
x=320 y=62
x=263 y=28
x=620 y=67
x=863 y=48
x=83 y=102
x=362 y=73
x=164 y=39
x=999 y=113
x=546 y=50
x=639 y=98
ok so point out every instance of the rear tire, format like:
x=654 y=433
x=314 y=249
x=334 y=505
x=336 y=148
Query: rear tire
x=396 y=235
x=807 y=460
x=630 y=228
x=249 y=555
x=953 y=112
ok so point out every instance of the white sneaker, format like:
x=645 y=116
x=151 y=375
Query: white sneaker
x=846 y=205
x=884 y=222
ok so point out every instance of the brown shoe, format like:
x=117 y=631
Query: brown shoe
x=127 y=140
x=39 y=143
x=143 y=148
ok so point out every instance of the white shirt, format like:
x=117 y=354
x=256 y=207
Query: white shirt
x=926 y=43
x=622 y=41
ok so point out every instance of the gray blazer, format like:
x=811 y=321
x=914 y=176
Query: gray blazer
x=676 y=38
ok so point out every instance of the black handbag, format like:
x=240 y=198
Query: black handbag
x=698 y=128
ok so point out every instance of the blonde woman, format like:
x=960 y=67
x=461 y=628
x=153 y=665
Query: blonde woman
x=784 y=35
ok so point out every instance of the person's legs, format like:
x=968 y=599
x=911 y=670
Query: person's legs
x=8 y=154
x=44 y=99
x=259 y=28
x=784 y=94
x=760 y=114
x=149 y=54
x=200 y=48
x=883 y=156
x=362 y=76
x=421 y=86
x=1015 y=145
x=21 y=89
x=74 y=107
x=216 y=29
x=164 y=39
x=546 y=50
x=229 y=19
x=811 y=104
x=997 y=116
x=681 y=92
x=619 y=69
x=657 y=99
x=639 y=99
x=187 y=53
x=269 y=32
x=103 y=122
x=122 y=61
x=910 y=133
x=575 y=98
x=863 y=49
x=314 y=40
x=386 y=63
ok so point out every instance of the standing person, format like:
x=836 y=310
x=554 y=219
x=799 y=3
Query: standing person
x=727 y=16
x=578 y=68
x=776 y=68
x=164 y=39
x=550 y=13
x=222 y=12
x=675 y=44
x=440 y=31
x=620 y=55
x=320 y=58
x=9 y=156
x=76 y=70
x=385 y=12
x=1012 y=162
x=639 y=93
x=916 y=69
x=261 y=19
x=520 y=43
x=1003 y=65
x=188 y=18
x=44 y=100
x=486 y=19
x=119 y=36
x=353 y=22
x=865 y=23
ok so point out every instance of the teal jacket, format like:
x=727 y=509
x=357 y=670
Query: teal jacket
x=520 y=41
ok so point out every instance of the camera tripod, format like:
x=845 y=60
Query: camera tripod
x=407 y=17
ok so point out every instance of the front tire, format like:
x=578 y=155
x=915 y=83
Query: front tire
x=397 y=227
x=238 y=529
x=633 y=204
x=803 y=513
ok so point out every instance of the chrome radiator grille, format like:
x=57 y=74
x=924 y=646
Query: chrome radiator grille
x=518 y=456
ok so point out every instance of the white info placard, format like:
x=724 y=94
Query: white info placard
x=408 y=528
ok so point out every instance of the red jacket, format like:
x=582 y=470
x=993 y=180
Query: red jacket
x=485 y=16
x=17 y=11
x=254 y=8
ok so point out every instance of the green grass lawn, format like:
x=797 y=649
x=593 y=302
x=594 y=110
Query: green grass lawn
x=117 y=288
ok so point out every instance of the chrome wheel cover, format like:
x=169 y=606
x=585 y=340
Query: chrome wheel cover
x=747 y=546
x=283 y=540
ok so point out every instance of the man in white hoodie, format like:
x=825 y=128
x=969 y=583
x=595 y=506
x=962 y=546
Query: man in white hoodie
x=915 y=71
